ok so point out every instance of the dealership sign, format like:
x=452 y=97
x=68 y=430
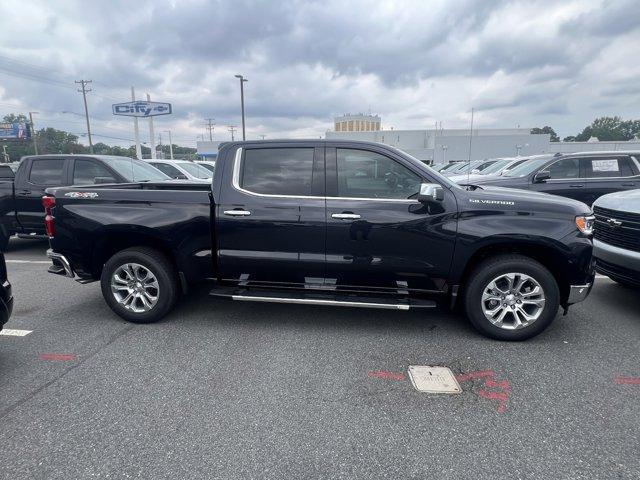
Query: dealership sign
x=15 y=131
x=141 y=109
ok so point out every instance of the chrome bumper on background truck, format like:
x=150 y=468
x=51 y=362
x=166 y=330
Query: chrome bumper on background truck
x=61 y=265
x=617 y=262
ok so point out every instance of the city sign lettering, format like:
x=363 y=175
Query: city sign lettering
x=141 y=109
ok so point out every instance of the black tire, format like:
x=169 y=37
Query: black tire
x=492 y=268
x=160 y=266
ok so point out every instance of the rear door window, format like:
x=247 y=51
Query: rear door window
x=47 y=171
x=169 y=170
x=278 y=171
x=604 y=167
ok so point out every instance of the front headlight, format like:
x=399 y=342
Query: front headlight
x=585 y=223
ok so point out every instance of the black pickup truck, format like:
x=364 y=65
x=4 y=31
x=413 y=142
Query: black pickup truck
x=21 y=197
x=327 y=223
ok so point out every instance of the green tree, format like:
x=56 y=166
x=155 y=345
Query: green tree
x=610 y=129
x=549 y=130
x=570 y=138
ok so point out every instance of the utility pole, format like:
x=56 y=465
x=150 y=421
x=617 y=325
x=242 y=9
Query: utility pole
x=34 y=134
x=210 y=126
x=151 y=134
x=136 y=131
x=232 y=129
x=170 y=145
x=84 y=90
x=242 y=80
x=160 y=143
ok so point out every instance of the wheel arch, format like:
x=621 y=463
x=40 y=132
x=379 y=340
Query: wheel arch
x=548 y=253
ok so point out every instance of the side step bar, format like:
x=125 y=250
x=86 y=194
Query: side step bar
x=320 y=298
x=32 y=236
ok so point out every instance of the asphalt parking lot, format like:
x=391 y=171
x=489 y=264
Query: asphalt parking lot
x=246 y=390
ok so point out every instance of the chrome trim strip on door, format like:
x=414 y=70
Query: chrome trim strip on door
x=236 y=185
x=315 y=301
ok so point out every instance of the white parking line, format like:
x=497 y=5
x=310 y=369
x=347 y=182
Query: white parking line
x=15 y=333
x=29 y=261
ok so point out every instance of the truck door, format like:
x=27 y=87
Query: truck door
x=270 y=221
x=607 y=174
x=566 y=179
x=379 y=237
x=40 y=174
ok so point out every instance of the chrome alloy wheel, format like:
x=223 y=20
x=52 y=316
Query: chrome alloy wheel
x=513 y=301
x=135 y=287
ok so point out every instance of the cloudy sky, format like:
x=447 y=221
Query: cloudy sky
x=529 y=63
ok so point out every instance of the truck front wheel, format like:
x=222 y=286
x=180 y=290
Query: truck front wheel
x=511 y=297
x=139 y=284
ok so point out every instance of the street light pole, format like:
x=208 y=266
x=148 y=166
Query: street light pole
x=242 y=80
x=33 y=133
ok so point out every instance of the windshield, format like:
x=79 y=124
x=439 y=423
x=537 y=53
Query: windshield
x=208 y=166
x=526 y=168
x=495 y=167
x=196 y=170
x=467 y=166
x=135 y=170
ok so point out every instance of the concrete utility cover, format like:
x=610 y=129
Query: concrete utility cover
x=433 y=379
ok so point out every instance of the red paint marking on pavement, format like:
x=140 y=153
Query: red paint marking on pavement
x=386 y=375
x=57 y=357
x=463 y=377
x=502 y=386
x=620 y=380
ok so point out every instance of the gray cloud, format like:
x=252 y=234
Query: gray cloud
x=414 y=62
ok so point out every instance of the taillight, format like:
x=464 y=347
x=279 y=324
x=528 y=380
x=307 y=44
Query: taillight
x=48 y=203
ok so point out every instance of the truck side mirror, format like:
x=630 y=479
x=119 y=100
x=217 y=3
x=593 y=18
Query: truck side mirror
x=542 y=176
x=430 y=192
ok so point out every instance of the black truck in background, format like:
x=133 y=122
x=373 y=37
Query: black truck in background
x=317 y=222
x=21 y=196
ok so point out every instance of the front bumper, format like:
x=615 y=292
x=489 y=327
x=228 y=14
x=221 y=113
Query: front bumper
x=627 y=259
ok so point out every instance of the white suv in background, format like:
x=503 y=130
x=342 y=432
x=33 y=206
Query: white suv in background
x=182 y=170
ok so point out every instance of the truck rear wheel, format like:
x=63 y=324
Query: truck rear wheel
x=511 y=297
x=139 y=284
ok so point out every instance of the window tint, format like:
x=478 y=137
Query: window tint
x=278 y=171
x=607 y=167
x=565 y=168
x=363 y=174
x=6 y=172
x=86 y=171
x=169 y=170
x=46 y=172
x=196 y=170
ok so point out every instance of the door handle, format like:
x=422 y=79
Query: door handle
x=237 y=213
x=577 y=185
x=25 y=192
x=629 y=184
x=345 y=216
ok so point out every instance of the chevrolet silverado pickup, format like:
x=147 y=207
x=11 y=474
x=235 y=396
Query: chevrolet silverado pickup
x=341 y=223
x=21 y=197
